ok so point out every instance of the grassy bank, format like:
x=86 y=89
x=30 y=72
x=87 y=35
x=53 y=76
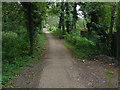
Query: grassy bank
x=17 y=64
x=82 y=52
x=80 y=46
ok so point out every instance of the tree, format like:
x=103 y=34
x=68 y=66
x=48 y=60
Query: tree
x=112 y=24
x=12 y=17
x=35 y=14
x=75 y=17
x=112 y=19
x=28 y=11
x=41 y=13
x=118 y=30
x=67 y=17
x=61 y=22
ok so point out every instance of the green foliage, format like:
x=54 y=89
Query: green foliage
x=12 y=16
x=58 y=33
x=93 y=36
x=79 y=41
x=110 y=73
x=81 y=46
x=109 y=84
x=18 y=35
x=55 y=31
x=17 y=40
x=81 y=24
x=15 y=50
x=52 y=21
x=83 y=52
x=14 y=45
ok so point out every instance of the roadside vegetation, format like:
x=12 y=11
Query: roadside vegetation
x=15 y=57
x=23 y=42
x=88 y=29
x=92 y=32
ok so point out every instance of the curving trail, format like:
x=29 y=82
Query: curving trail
x=59 y=71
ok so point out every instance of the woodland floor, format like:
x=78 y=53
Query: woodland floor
x=60 y=69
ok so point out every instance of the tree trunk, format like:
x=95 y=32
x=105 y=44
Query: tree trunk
x=111 y=28
x=40 y=22
x=68 y=17
x=74 y=16
x=30 y=29
x=118 y=29
x=62 y=13
x=61 y=22
x=112 y=23
x=40 y=26
x=28 y=12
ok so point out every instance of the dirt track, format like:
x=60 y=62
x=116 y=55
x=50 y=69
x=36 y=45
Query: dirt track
x=59 y=71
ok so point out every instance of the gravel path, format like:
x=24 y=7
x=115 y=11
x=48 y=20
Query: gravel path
x=59 y=68
x=59 y=71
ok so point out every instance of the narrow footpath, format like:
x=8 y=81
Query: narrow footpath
x=59 y=71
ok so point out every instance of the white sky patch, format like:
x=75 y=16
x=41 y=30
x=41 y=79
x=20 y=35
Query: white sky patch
x=55 y=4
x=78 y=7
x=60 y=1
x=19 y=2
x=79 y=12
x=82 y=1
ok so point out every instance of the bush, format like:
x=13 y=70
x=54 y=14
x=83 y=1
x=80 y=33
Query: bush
x=55 y=31
x=79 y=41
x=83 y=42
x=14 y=45
x=58 y=33
x=81 y=46
x=15 y=52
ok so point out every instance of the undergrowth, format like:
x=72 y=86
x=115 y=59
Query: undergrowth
x=80 y=46
x=15 y=53
x=81 y=53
